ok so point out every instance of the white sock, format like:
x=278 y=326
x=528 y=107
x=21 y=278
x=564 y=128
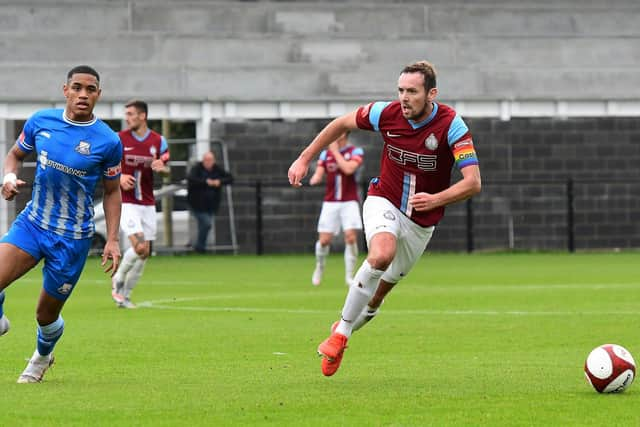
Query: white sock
x=130 y=256
x=321 y=253
x=350 y=258
x=365 y=316
x=134 y=275
x=364 y=285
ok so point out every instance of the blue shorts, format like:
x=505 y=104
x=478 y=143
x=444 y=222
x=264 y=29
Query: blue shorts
x=64 y=258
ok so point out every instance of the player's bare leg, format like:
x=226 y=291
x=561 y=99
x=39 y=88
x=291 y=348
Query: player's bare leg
x=15 y=263
x=322 y=250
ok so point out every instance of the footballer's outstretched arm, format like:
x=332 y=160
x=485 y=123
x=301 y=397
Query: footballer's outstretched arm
x=330 y=133
x=10 y=182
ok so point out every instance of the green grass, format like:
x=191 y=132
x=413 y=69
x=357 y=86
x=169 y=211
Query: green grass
x=464 y=340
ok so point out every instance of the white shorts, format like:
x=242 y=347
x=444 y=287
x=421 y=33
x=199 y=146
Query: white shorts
x=138 y=219
x=380 y=215
x=339 y=214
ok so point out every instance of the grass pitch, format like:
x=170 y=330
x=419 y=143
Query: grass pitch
x=464 y=340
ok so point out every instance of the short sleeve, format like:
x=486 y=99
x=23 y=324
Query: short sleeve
x=113 y=158
x=357 y=154
x=368 y=116
x=323 y=158
x=164 y=149
x=26 y=139
x=457 y=129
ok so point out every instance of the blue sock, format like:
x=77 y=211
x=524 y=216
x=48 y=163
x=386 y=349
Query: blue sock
x=49 y=335
x=1 y=303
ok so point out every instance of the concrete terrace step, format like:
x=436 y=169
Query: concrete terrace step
x=308 y=82
x=514 y=19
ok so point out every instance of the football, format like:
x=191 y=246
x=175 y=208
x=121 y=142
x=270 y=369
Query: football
x=610 y=368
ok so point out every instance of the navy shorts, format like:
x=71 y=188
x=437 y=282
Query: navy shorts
x=64 y=257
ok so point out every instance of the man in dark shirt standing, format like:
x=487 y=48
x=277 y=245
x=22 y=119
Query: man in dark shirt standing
x=204 y=184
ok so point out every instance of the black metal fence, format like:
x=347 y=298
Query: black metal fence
x=529 y=215
x=567 y=214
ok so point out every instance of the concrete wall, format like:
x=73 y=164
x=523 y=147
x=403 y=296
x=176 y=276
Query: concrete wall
x=247 y=51
x=265 y=51
x=525 y=165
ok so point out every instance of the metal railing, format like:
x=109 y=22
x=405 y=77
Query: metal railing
x=559 y=205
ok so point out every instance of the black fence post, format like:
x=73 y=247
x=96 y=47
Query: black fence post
x=571 y=243
x=364 y=189
x=259 y=243
x=469 y=225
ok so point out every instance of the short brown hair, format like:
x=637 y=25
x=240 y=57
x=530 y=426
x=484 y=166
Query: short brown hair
x=141 y=106
x=426 y=69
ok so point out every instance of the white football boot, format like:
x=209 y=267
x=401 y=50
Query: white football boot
x=316 y=278
x=4 y=325
x=37 y=366
x=116 y=291
x=127 y=303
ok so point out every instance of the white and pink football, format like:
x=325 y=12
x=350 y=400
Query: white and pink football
x=610 y=368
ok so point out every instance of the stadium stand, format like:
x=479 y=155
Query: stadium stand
x=544 y=86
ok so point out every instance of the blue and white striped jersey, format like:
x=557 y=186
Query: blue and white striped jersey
x=70 y=159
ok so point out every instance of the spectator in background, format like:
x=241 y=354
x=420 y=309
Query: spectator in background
x=204 y=184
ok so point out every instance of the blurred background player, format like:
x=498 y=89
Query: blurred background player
x=204 y=185
x=73 y=150
x=145 y=152
x=423 y=140
x=341 y=206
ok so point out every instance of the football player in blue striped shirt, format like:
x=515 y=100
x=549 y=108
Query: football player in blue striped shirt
x=74 y=150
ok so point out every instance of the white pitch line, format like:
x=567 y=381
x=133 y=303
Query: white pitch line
x=424 y=288
x=161 y=306
x=149 y=304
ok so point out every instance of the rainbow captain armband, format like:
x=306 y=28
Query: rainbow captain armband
x=464 y=153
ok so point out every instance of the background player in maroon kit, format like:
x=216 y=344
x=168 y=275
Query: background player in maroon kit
x=145 y=152
x=423 y=140
x=341 y=206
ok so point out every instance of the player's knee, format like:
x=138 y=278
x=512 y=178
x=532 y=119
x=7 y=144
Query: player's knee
x=324 y=240
x=142 y=250
x=350 y=239
x=380 y=261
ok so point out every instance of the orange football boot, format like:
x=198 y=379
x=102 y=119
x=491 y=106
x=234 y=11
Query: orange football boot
x=332 y=350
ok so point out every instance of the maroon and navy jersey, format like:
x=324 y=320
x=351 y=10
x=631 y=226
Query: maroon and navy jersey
x=138 y=153
x=416 y=157
x=340 y=187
